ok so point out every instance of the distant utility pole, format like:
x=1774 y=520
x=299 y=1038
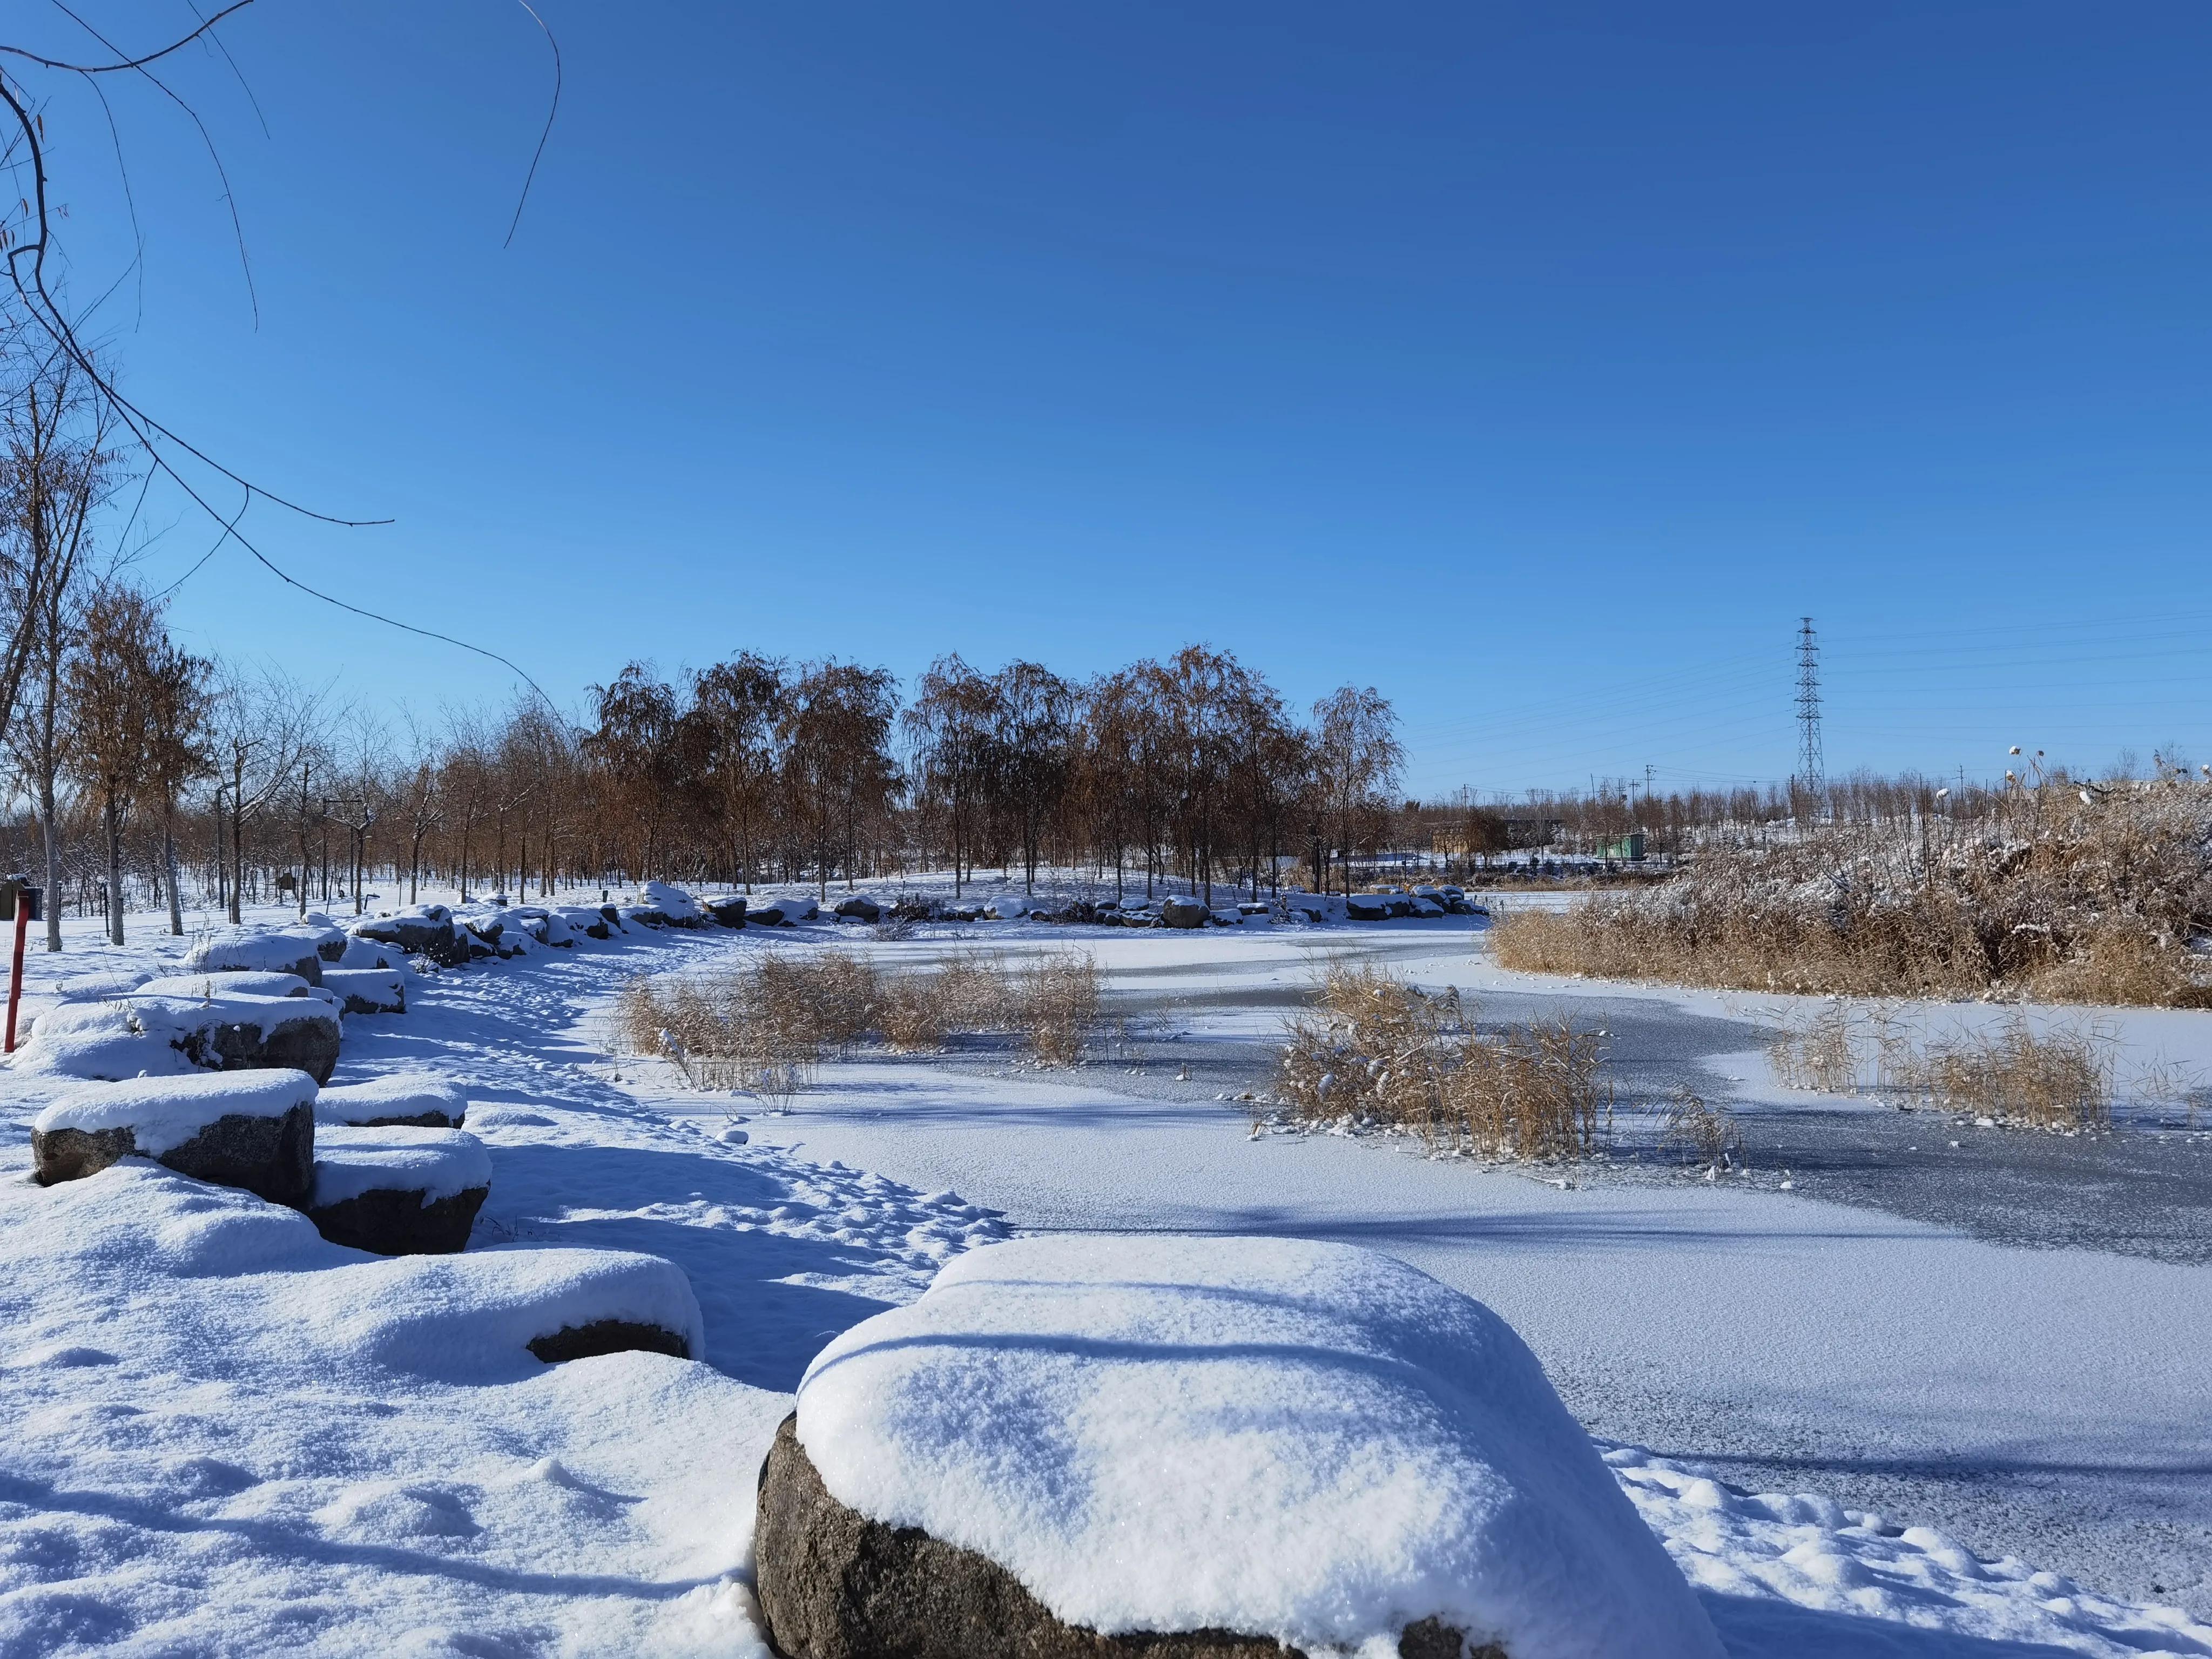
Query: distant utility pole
x=1812 y=766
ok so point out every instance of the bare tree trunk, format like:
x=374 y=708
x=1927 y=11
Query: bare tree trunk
x=169 y=866
x=114 y=820
x=51 y=836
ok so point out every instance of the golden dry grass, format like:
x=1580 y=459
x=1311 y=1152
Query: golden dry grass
x=1380 y=1052
x=2061 y=896
x=767 y=1025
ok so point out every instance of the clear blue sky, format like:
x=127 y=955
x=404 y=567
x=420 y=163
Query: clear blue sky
x=1537 y=365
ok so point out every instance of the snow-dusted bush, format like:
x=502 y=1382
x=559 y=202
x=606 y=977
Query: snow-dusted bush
x=2069 y=896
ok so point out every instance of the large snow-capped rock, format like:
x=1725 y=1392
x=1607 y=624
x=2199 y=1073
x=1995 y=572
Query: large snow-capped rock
x=367 y=990
x=399 y=1191
x=253 y=1129
x=1308 y=1443
x=260 y=950
x=154 y=1035
x=417 y=1099
x=427 y=930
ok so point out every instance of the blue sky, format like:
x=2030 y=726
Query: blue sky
x=1538 y=366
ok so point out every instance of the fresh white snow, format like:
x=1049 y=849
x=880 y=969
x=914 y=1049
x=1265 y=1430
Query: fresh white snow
x=227 y=1434
x=1306 y=1441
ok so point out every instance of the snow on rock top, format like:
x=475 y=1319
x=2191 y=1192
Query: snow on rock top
x=397 y=1095
x=247 y=949
x=435 y=1163
x=162 y=1113
x=267 y=984
x=672 y=901
x=1308 y=1441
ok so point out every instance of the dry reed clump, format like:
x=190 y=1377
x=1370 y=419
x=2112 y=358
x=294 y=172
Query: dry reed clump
x=2058 y=1077
x=767 y=1026
x=1381 y=1053
x=2054 y=1079
x=1705 y=1131
x=2082 y=898
x=1057 y=1000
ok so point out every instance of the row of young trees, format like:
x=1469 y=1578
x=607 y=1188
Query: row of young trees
x=245 y=788
x=142 y=769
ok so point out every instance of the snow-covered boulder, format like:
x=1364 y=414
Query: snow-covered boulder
x=785 y=912
x=858 y=907
x=1070 y=1438
x=367 y=990
x=726 y=909
x=554 y=931
x=158 y=1035
x=1008 y=907
x=420 y=1099
x=1368 y=907
x=462 y=1316
x=1426 y=907
x=661 y=905
x=1181 y=910
x=328 y=937
x=399 y=1191
x=255 y=1130
x=101 y=987
x=258 y=950
x=363 y=952
x=427 y=930
x=244 y=1033
x=205 y=986
x=591 y=920
x=1313 y=907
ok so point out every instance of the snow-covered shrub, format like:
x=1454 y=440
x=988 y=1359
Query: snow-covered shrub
x=2072 y=896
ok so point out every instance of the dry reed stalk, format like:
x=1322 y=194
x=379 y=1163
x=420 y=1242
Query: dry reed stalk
x=1056 y=1000
x=1816 y=1051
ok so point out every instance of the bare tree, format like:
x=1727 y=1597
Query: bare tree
x=261 y=728
x=1357 y=758
x=57 y=471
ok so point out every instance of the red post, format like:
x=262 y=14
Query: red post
x=15 y=973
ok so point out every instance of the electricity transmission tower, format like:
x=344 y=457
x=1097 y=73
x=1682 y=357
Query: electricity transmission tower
x=1812 y=766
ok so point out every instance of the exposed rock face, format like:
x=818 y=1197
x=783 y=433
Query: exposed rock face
x=859 y=908
x=608 y=1336
x=833 y=1584
x=395 y=1221
x=728 y=912
x=271 y=1156
x=1367 y=906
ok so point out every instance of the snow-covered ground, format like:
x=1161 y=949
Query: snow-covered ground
x=229 y=1436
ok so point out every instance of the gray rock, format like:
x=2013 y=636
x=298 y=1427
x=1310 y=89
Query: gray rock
x=834 y=1584
x=271 y=1156
x=395 y=1221
x=1184 y=912
x=728 y=912
x=1367 y=906
x=859 y=908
